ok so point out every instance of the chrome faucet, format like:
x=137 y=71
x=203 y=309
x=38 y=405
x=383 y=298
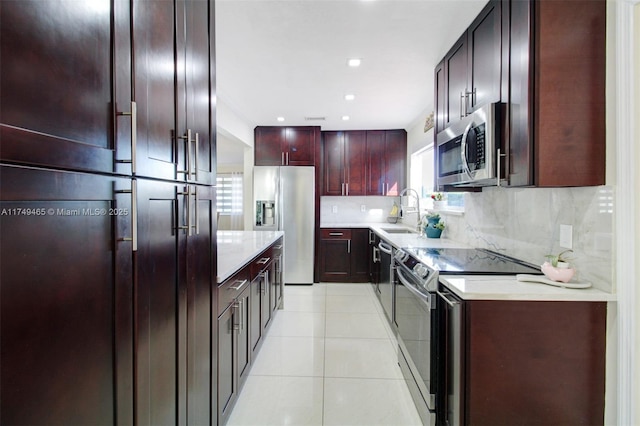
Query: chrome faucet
x=415 y=194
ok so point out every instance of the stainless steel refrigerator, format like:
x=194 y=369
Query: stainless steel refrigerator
x=284 y=199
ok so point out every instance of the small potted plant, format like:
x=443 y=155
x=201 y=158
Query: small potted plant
x=434 y=226
x=558 y=267
x=438 y=200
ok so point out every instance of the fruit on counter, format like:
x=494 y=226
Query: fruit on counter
x=394 y=210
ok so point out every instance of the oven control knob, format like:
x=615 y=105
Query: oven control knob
x=421 y=270
x=401 y=255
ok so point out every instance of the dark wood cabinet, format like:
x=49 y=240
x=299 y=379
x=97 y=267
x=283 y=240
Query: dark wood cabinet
x=59 y=101
x=286 y=146
x=508 y=346
x=386 y=163
x=174 y=124
x=470 y=75
x=66 y=313
x=261 y=311
x=344 y=159
x=556 y=116
x=234 y=346
x=344 y=255
x=174 y=272
x=276 y=272
x=93 y=93
x=373 y=255
x=124 y=334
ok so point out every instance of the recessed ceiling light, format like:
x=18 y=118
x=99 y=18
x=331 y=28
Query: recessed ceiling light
x=280 y=118
x=345 y=117
x=354 y=62
x=349 y=97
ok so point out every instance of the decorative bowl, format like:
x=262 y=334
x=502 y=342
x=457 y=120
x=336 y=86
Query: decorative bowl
x=557 y=274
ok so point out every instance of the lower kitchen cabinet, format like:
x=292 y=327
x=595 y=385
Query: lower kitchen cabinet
x=106 y=299
x=234 y=346
x=66 y=313
x=526 y=363
x=175 y=268
x=344 y=255
x=246 y=305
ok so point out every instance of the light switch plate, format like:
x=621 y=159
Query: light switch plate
x=334 y=209
x=566 y=236
x=363 y=208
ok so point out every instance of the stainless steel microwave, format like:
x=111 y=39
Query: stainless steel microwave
x=468 y=152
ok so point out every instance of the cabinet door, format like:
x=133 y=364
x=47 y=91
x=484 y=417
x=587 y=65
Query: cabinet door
x=66 y=318
x=300 y=145
x=244 y=342
x=375 y=184
x=455 y=68
x=265 y=304
x=201 y=279
x=335 y=263
x=333 y=163
x=227 y=364
x=360 y=255
x=484 y=38
x=59 y=100
x=195 y=93
x=355 y=143
x=268 y=146
x=159 y=153
x=161 y=304
x=395 y=161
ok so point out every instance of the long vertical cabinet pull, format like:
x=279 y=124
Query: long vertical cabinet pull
x=195 y=207
x=134 y=133
x=188 y=225
x=195 y=158
x=134 y=214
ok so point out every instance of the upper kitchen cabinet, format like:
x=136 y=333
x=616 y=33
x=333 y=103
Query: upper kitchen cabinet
x=386 y=161
x=286 y=146
x=556 y=120
x=60 y=102
x=344 y=157
x=92 y=87
x=470 y=74
x=173 y=91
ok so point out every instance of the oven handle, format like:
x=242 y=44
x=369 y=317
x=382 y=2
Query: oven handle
x=385 y=248
x=445 y=297
x=424 y=298
x=463 y=150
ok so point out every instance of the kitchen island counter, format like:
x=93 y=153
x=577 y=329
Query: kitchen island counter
x=237 y=248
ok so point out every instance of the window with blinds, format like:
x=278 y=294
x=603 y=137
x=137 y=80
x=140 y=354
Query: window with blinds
x=229 y=193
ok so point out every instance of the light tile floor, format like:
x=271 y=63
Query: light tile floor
x=329 y=358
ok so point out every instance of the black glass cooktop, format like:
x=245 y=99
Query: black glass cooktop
x=470 y=261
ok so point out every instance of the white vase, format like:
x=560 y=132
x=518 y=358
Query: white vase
x=437 y=205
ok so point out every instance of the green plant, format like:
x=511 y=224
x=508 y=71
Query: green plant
x=432 y=215
x=554 y=259
x=440 y=225
x=437 y=196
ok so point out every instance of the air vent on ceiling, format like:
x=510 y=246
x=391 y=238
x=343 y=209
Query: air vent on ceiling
x=315 y=118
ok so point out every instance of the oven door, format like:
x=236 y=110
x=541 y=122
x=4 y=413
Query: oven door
x=416 y=319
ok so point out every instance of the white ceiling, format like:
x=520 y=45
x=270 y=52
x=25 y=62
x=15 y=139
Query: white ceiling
x=289 y=58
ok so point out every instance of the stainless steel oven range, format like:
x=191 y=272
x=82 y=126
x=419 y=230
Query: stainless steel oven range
x=428 y=320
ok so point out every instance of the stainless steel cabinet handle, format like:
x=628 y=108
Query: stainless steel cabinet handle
x=376 y=255
x=348 y=246
x=287 y=155
x=342 y=189
x=278 y=247
x=195 y=207
x=238 y=286
x=372 y=238
x=336 y=234
x=134 y=135
x=264 y=260
x=188 y=225
x=282 y=158
x=347 y=186
x=499 y=166
x=195 y=158
x=241 y=305
x=134 y=214
x=235 y=316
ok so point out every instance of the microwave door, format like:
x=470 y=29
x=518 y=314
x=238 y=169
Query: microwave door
x=467 y=150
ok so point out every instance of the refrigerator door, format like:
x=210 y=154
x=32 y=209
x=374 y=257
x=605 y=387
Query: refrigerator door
x=297 y=220
x=265 y=194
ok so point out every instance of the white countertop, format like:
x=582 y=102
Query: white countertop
x=237 y=248
x=474 y=287
x=499 y=287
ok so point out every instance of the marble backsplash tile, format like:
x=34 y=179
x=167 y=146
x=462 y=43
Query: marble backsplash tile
x=525 y=223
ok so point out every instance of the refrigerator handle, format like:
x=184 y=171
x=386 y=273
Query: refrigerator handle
x=278 y=207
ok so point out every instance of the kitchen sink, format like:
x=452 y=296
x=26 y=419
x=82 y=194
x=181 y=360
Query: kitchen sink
x=398 y=231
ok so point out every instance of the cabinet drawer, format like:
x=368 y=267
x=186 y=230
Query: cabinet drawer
x=336 y=234
x=261 y=262
x=231 y=288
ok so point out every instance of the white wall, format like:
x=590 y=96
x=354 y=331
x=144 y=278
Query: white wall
x=636 y=379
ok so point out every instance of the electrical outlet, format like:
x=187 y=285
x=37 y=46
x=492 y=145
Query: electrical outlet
x=566 y=236
x=334 y=209
x=363 y=208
